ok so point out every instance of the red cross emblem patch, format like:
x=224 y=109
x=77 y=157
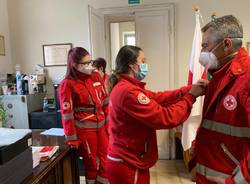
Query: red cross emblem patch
x=66 y=105
x=143 y=99
x=230 y=102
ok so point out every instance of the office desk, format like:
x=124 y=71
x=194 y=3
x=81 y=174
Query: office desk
x=61 y=168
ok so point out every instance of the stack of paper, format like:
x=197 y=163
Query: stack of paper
x=45 y=152
x=35 y=156
x=54 y=132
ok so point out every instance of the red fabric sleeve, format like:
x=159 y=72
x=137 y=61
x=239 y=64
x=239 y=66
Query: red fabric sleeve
x=245 y=167
x=244 y=173
x=245 y=164
x=155 y=115
x=66 y=104
x=229 y=181
x=168 y=97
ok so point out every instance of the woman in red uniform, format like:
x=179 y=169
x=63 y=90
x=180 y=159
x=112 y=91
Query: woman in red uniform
x=82 y=114
x=100 y=65
x=134 y=115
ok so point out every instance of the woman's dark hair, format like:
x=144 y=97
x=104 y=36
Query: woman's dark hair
x=100 y=62
x=127 y=55
x=75 y=55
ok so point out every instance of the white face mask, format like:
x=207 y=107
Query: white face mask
x=86 y=69
x=208 y=60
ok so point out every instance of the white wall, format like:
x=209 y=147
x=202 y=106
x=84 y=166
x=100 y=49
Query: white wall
x=35 y=22
x=5 y=61
x=185 y=23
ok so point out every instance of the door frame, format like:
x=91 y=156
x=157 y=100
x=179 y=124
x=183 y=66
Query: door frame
x=125 y=14
x=92 y=11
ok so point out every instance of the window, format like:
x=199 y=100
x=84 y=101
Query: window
x=128 y=38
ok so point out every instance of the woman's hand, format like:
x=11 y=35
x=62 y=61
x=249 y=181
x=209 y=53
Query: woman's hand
x=199 y=88
x=202 y=82
x=73 y=144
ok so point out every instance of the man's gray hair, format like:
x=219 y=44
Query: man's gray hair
x=226 y=27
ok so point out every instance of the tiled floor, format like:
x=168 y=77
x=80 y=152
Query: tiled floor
x=166 y=172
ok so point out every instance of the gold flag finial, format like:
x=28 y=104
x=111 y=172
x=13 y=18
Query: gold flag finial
x=213 y=16
x=196 y=8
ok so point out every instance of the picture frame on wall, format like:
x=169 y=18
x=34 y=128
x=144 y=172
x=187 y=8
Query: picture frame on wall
x=2 y=46
x=56 y=54
x=248 y=47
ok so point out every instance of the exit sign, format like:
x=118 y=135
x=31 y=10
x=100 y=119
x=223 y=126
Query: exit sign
x=133 y=1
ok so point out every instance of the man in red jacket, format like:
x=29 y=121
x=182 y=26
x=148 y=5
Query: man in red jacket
x=223 y=140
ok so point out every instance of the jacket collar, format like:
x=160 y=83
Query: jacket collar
x=237 y=66
x=82 y=76
x=133 y=81
x=240 y=63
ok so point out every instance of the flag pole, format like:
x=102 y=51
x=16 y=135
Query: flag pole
x=197 y=11
x=213 y=16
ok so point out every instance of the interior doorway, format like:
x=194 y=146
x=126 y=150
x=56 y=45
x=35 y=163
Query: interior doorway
x=152 y=29
x=121 y=33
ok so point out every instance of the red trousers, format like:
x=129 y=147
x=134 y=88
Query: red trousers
x=123 y=173
x=93 y=149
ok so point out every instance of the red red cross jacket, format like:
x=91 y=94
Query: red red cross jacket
x=81 y=103
x=223 y=140
x=135 y=113
x=104 y=80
